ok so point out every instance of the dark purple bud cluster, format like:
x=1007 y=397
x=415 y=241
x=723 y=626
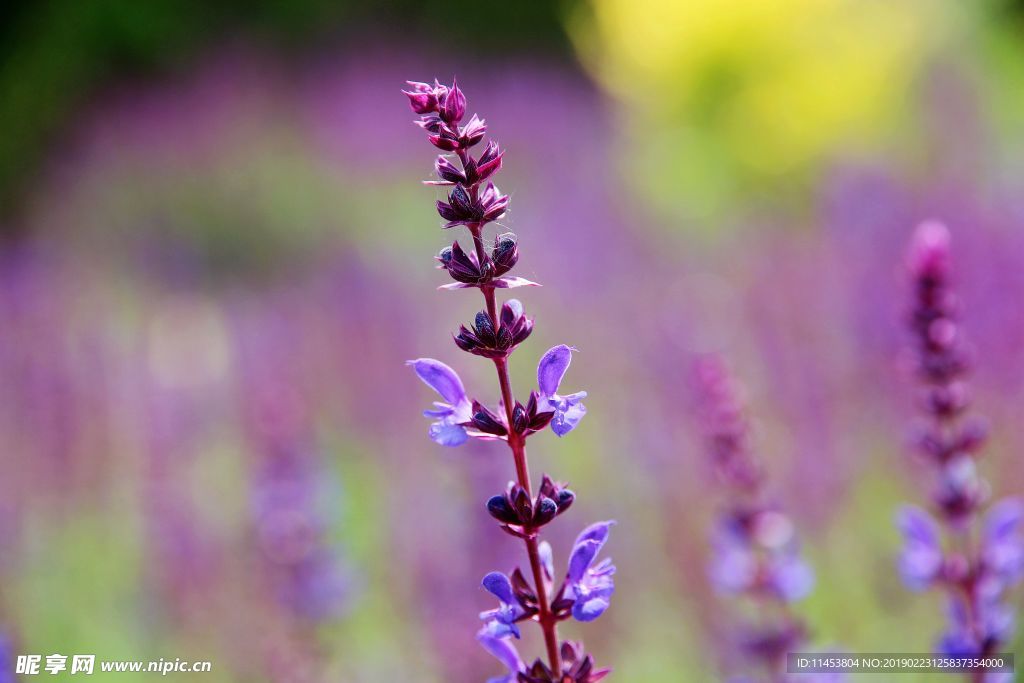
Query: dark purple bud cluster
x=476 y=208
x=441 y=109
x=526 y=420
x=475 y=170
x=484 y=340
x=473 y=201
x=469 y=269
x=980 y=565
x=585 y=591
x=521 y=516
x=577 y=667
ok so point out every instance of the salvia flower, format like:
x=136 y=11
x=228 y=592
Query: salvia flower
x=590 y=585
x=455 y=411
x=473 y=201
x=501 y=622
x=937 y=551
x=569 y=409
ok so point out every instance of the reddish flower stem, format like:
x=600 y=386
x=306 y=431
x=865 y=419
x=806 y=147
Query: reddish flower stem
x=517 y=444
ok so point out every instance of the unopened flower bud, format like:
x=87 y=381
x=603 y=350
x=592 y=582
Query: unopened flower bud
x=505 y=253
x=454 y=107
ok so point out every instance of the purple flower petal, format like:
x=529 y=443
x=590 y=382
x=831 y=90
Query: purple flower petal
x=792 y=578
x=568 y=414
x=552 y=367
x=440 y=378
x=921 y=559
x=590 y=609
x=598 y=531
x=500 y=587
x=1003 y=544
x=733 y=568
x=583 y=554
x=568 y=410
x=447 y=434
x=503 y=650
x=1003 y=519
x=498 y=628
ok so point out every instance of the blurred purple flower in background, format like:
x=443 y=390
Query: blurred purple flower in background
x=288 y=485
x=975 y=576
x=6 y=660
x=756 y=551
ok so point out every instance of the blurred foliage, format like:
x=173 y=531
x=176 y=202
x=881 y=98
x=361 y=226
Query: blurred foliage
x=56 y=53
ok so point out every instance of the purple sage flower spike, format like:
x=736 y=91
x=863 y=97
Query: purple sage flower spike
x=473 y=201
x=976 y=577
x=456 y=409
x=569 y=409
